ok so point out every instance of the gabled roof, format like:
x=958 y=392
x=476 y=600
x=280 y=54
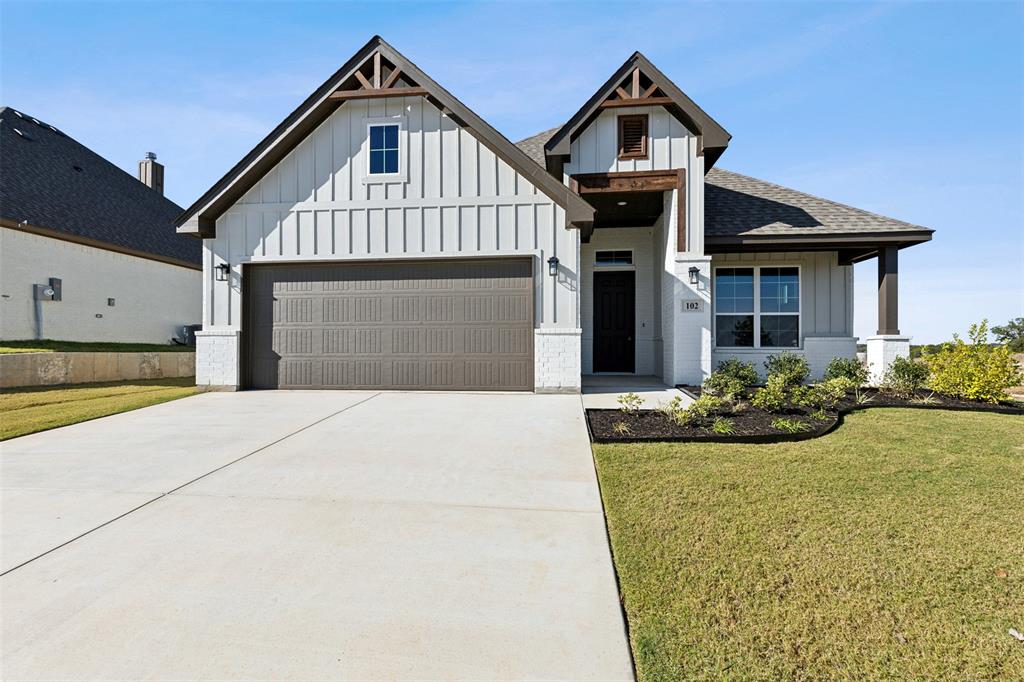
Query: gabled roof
x=739 y=209
x=52 y=185
x=659 y=90
x=200 y=218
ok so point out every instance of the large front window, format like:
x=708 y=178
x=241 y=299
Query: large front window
x=757 y=307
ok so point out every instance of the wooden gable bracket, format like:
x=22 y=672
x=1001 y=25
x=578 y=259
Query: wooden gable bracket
x=636 y=95
x=376 y=84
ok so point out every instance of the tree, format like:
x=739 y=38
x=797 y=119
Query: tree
x=1012 y=334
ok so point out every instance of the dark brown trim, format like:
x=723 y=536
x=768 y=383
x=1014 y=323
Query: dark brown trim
x=342 y=95
x=96 y=244
x=200 y=218
x=627 y=181
x=637 y=119
x=815 y=242
x=888 y=290
x=638 y=102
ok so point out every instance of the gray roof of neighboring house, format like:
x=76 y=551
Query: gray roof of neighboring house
x=50 y=181
x=737 y=205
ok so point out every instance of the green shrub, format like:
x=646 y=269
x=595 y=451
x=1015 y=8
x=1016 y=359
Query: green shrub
x=905 y=377
x=975 y=370
x=723 y=426
x=789 y=425
x=849 y=368
x=723 y=386
x=791 y=367
x=743 y=372
x=630 y=403
x=701 y=410
x=771 y=398
x=823 y=396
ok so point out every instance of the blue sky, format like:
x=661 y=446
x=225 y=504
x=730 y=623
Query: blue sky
x=912 y=110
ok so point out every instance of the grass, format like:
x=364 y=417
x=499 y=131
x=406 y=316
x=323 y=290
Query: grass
x=892 y=548
x=47 y=346
x=28 y=410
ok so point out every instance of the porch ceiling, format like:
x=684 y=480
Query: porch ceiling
x=627 y=209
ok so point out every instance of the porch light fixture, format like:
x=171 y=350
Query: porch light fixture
x=694 y=275
x=553 y=266
x=621 y=203
x=222 y=270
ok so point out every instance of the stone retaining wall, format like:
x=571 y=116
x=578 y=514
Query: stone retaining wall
x=54 y=369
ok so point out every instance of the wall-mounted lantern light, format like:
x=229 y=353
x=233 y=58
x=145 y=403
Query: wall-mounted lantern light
x=553 y=266
x=222 y=271
x=694 y=275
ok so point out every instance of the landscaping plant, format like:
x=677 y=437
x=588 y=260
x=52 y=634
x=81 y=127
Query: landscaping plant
x=771 y=398
x=789 y=425
x=849 y=368
x=743 y=372
x=701 y=410
x=723 y=426
x=791 y=367
x=905 y=377
x=630 y=403
x=975 y=370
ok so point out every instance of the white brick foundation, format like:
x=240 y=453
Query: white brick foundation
x=217 y=360
x=882 y=350
x=557 y=360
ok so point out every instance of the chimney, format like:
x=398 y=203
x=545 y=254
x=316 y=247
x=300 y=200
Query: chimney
x=151 y=173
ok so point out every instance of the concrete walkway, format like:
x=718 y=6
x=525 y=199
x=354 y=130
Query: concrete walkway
x=310 y=535
x=602 y=391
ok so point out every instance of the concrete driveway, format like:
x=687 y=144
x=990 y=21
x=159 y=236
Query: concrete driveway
x=310 y=535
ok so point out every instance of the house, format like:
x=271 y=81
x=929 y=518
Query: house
x=88 y=252
x=385 y=236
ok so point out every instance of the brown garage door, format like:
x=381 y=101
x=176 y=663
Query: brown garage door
x=452 y=325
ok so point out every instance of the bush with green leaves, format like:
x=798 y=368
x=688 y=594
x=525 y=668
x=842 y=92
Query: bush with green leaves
x=723 y=426
x=731 y=380
x=701 y=410
x=630 y=403
x=790 y=425
x=823 y=396
x=771 y=398
x=904 y=377
x=850 y=368
x=791 y=367
x=975 y=370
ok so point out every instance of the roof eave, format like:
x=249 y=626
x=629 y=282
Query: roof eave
x=816 y=242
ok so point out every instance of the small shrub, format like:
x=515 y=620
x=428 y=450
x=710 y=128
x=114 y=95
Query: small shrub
x=700 y=410
x=929 y=399
x=771 y=398
x=789 y=425
x=975 y=370
x=823 y=396
x=723 y=426
x=905 y=377
x=819 y=415
x=791 y=367
x=743 y=372
x=630 y=403
x=622 y=429
x=723 y=386
x=670 y=408
x=862 y=398
x=848 y=368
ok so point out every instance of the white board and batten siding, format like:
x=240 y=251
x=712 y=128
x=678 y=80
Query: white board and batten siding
x=670 y=146
x=455 y=198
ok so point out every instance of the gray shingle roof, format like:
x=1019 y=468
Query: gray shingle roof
x=49 y=180
x=738 y=205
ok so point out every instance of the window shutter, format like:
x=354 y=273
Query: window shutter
x=633 y=137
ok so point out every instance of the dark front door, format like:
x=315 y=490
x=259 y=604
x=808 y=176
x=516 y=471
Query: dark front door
x=614 y=321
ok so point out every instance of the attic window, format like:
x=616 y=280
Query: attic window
x=633 y=136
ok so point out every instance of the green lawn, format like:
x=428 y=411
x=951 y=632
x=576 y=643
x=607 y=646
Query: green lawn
x=47 y=346
x=27 y=410
x=892 y=548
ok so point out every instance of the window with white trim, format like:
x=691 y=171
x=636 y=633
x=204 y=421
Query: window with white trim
x=757 y=307
x=384 y=149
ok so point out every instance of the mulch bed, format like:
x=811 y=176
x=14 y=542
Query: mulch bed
x=752 y=425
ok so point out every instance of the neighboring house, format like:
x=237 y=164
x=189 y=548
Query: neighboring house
x=385 y=236
x=68 y=214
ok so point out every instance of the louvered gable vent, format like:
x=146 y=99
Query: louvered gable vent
x=633 y=136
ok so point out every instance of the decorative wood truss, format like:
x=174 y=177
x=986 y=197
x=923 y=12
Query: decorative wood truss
x=377 y=77
x=636 y=90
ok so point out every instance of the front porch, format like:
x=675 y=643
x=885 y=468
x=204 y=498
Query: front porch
x=601 y=391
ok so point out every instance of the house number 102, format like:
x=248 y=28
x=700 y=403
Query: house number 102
x=693 y=306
